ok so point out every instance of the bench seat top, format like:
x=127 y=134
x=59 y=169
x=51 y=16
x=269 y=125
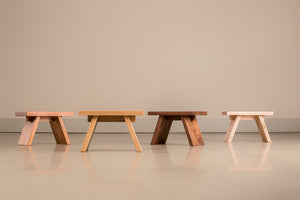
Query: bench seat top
x=112 y=113
x=177 y=113
x=248 y=113
x=44 y=114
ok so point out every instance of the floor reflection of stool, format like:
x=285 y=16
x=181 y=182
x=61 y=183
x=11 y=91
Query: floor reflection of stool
x=55 y=120
x=260 y=162
x=110 y=116
x=190 y=124
x=258 y=117
x=163 y=159
x=100 y=181
x=57 y=163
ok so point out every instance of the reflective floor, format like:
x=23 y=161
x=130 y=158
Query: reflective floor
x=111 y=169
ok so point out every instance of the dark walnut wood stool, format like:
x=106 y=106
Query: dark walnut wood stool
x=237 y=116
x=55 y=120
x=110 y=116
x=188 y=119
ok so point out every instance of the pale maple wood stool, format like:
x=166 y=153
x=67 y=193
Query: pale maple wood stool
x=110 y=116
x=56 y=123
x=237 y=116
x=188 y=119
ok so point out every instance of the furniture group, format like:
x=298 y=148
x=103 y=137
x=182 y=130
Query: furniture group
x=161 y=132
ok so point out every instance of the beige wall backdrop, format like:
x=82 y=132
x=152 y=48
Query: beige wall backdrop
x=151 y=55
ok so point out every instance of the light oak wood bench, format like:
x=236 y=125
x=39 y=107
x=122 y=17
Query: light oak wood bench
x=110 y=116
x=188 y=119
x=237 y=116
x=56 y=123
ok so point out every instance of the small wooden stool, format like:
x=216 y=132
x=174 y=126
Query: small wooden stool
x=258 y=117
x=188 y=119
x=55 y=120
x=110 y=116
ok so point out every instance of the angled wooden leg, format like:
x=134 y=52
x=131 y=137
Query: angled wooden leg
x=89 y=134
x=232 y=128
x=162 y=130
x=132 y=134
x=262 y=127
x=192 y=130
x=28 y=131
x=59 y=130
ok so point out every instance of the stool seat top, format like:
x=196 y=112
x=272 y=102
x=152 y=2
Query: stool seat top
x=44 y=114
x=248 y=113
x=111 y=113
x=177 y=113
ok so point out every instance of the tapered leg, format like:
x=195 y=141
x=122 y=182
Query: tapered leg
x=89 y=134
x=262 y=127
x=28 y=131
x=162 y=130
x=59 y=130
x=192 y=130
x=132 y=134
x=232 y=128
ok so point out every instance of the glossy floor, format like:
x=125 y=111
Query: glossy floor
x=247 y=169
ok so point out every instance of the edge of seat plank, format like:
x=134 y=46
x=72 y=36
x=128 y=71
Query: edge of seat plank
x=177 y=113
x=247 y=113
x=44 y=114
x=112 y=113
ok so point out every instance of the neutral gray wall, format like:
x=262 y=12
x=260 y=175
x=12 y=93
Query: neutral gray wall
x=151 y=55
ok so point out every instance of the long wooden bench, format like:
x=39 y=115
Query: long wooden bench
x=188 y=119
x=54 y=118
x=110 y=116
x=237 y=116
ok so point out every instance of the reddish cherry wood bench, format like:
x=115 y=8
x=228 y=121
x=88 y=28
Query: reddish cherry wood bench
x=190 y=124
x=110 y=116
x=55 y=120
x=258 y=117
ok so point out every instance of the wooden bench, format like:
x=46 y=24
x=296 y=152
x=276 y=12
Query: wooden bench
x=190 y=124
x=110 y=116
x=237 y=116
x=55 y=120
